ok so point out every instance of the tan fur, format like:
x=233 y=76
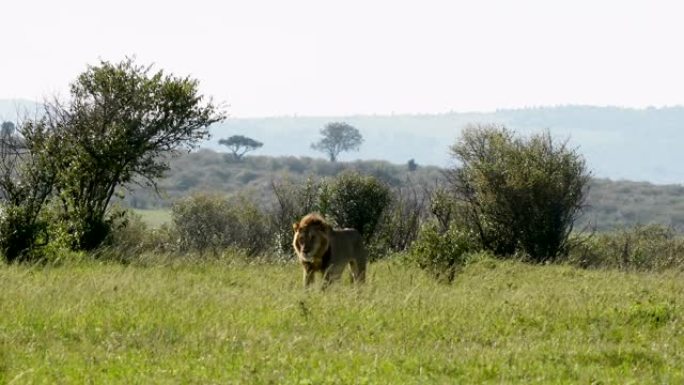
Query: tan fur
x=320 y=248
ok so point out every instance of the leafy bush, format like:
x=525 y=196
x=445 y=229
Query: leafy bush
x=250 y=231
x=201 y=221
x=355 y=201
x=210 y=222
x=520 y=194
x=442 y=253
x=19 y=233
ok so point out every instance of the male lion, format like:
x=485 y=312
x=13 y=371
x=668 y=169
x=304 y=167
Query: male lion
x=319 y=247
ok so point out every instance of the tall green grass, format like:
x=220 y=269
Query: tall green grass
x=237 y=323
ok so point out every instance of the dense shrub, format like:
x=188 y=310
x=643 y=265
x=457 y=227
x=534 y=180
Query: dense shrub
x=442 y=253
x=355 y=201
x=520 y=194
x=20 y=233
x=250 y=232
x=201 y=221
x=210 y=222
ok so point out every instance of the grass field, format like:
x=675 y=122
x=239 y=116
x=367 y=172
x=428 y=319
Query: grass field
x=223 y=323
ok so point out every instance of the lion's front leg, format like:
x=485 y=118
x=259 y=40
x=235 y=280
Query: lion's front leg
x=308 y=275
x=332 y=274
x=358 y=270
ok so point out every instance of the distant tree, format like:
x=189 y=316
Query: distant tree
x=240 y=145
x=338 y=137
x=7 y=129
x=9 y=143
x=412 y=165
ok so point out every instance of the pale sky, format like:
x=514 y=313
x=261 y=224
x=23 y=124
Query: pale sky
x=296 y=57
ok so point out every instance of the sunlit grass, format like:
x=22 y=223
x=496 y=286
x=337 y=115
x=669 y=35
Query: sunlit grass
x=501 y=322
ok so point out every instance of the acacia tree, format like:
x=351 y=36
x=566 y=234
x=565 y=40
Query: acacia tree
x=7 y=129
x=120 y=122
x=239 y=145
x=338 y=137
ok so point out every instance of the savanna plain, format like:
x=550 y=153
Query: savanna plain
x=229 y=321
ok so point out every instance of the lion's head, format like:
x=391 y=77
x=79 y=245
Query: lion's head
x=311 y=238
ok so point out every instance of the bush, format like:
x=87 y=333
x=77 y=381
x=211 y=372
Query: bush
x=355 y=201
x=250 y=232
x=521 y=195
x=201 y=221
x=20 y=234
x=442 y=253
x=210 y=222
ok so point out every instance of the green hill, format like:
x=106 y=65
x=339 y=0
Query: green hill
x=207 y=170
x=610 y=203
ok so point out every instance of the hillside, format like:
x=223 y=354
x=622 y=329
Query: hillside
x=207 y=170
x=632 y=144
x=610 y=203
x=618 y=143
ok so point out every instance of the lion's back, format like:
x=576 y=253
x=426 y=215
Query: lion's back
x=347 y=244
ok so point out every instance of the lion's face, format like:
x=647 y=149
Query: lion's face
x=310 y=241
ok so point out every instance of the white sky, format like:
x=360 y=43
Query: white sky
x=286 y=57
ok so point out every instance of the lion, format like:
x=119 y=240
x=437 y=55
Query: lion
x=321 y=248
